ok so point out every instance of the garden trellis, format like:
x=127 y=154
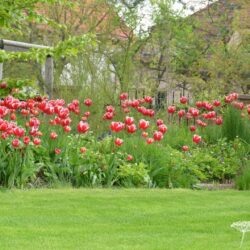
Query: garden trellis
x=14 y=46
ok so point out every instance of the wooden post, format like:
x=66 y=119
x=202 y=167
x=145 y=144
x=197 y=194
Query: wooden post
x=1 y=71
x=49 y=75
x=1 y=64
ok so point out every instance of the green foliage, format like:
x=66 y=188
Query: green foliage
x=177 y=136
x=243 y=180
x=168 y=167
x=70 y=47
x=16 y=168
x=104 y=165
x=221 y=161
x=234 y=125
x=22 y=89
x=133 y=175
x=14 y=14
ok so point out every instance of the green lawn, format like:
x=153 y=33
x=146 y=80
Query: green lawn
x=122 y=219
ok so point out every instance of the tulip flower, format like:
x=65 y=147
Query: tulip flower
x=158 y=136
x=238 y=105
x=196 y=139
x=13 y=117
x=15 y=143
x=88 y=102
x=123 y=96
x=208 y=106
x=192 y=128
x=219 y=120
x=57 y=151
x=141 y=109
x=183 y=100
x=185 y=148
x=181 y=113
x=83 y=149
x=162 y=128
x=110 y=109
x=63 y=113
x=84 y=118
x=19 y=132
x=148 y=99
x=216 y=103
x=4 y=135
x=171 y=109
x=131 y=128
x=125 y=104
x=34 y=122
x=141 y=101
x=150 y=112
x=135 y=103
x=36 y=141
x=199 y=104
x=194 y=112
x=143 y=124
x=67 y=129
x=75 y=102
x=118 y=142
x=129 y=120
x=25 y=112
x=117 y=126
x=65 y=122
x=234 y=96
x=150 y=140
x=53 y=135
x=126 y=110
x=3 y=85
x=82 y=127
x=228 y=99
x=87 y=114
x=159 y=122
x=26 y=140
x=130 y=158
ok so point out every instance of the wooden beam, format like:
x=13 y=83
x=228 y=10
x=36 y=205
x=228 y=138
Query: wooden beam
x=19 y=46
x=244 y=98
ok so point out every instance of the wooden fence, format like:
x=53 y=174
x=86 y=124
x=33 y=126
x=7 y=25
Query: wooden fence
x=48 y=67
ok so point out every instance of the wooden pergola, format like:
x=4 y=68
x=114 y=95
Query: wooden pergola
x=48 y=75
x=244 y=98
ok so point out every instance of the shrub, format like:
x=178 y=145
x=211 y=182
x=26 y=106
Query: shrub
x=234 y=125
x=133 y=175
x=243 y=180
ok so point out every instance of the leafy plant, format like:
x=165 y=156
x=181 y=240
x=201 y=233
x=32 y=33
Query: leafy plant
x=133 y=175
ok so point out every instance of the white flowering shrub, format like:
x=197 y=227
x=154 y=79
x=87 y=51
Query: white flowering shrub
x=243 y=227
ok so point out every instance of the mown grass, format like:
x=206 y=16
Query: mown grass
x=122 y=219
